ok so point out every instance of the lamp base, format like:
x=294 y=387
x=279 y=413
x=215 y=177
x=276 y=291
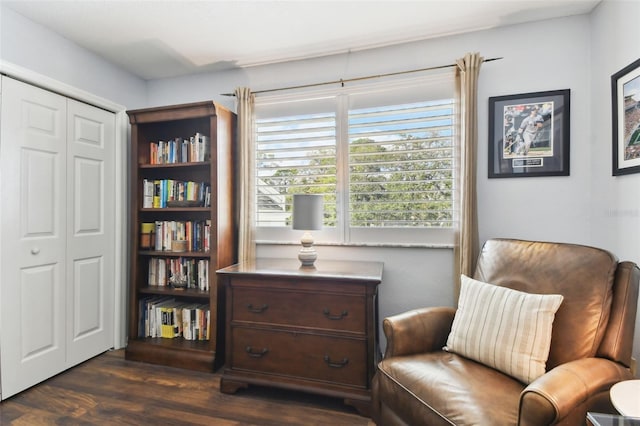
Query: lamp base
x=307 y=254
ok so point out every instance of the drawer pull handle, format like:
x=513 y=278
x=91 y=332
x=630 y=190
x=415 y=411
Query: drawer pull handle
x=332 y=364
x=256 y=354
x=327 y=314
x=259 y=310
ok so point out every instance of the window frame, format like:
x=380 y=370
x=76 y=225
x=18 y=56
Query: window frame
x=343 y=233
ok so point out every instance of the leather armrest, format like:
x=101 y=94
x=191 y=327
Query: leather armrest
x=417 y=331
x=551 y=397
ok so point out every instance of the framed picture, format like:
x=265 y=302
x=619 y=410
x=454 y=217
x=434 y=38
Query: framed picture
x=625 y=102
x=529 y=134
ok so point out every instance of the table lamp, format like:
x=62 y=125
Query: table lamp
x=307 y=216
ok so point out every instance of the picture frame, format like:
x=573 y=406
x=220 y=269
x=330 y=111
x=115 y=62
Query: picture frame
x=625 y=102
x=529 y=134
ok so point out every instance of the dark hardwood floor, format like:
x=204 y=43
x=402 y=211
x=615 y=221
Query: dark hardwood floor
x=108 y=390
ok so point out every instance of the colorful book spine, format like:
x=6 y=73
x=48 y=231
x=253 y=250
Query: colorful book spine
x=193 y=149
x=164 y=317
x=161 y=193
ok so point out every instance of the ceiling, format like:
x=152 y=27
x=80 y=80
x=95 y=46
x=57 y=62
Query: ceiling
x=157 y=39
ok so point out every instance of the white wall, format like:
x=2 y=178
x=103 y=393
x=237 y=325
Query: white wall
x=541 y=56
x=28 y=45
x=615 y=201
x=545 y=56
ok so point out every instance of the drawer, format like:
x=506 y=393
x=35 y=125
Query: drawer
x=324 y=311
x=301 y=355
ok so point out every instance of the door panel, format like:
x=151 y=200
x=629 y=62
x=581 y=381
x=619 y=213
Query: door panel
x=38 y=199
x=38 y=287
x=33 y=228
x=90 y=225
x=88 y=191
x=87 y=289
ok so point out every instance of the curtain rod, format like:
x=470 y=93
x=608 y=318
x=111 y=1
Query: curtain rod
x=342 y=81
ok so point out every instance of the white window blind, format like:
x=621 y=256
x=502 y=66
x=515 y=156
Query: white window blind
x=401 y=165
x=295 y=155
x=383 y=156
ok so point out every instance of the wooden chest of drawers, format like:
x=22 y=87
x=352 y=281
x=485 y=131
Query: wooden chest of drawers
x=308 y=329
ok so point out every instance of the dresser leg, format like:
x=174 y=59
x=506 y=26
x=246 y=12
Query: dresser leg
x=231 y=386
x=363 y=407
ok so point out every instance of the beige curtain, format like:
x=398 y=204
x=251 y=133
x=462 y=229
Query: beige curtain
x=246 y=175
x=467 y=240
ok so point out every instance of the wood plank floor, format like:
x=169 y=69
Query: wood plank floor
x=108 y=390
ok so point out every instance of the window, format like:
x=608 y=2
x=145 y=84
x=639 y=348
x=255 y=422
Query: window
x=382 y=155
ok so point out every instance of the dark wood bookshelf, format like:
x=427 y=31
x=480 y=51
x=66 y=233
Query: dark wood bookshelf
x=165 y=123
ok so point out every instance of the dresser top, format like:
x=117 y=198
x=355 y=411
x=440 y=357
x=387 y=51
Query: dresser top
x=323 y=269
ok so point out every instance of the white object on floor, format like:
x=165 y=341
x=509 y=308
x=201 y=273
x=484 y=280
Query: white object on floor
x=625 y=397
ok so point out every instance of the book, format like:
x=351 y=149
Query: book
x=147 y=193
x=166 y=327
x=196 y=321
x=203 y=275
x=177 y=320
x=157 y=194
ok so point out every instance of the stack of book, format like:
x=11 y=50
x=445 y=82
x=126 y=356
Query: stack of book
x=196 y=233
x=195 y=149
x=167 y=318
x=181 y=272
x=161 y=193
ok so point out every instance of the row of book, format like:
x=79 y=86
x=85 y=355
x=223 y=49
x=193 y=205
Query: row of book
x=167 y=318
x=196 y=235
x=179 y=272
x=194 y=149
x=161 y=193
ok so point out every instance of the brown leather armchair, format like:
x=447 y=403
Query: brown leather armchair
x=418 y=383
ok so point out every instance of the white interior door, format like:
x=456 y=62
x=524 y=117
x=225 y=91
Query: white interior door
x=90 y=231
x=57 y=234
x=33 y=233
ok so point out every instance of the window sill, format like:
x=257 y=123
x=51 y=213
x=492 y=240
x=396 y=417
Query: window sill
x=355 y=244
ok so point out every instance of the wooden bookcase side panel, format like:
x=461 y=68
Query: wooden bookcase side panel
x=164 y=123
x=227 y=229
x=225 y=233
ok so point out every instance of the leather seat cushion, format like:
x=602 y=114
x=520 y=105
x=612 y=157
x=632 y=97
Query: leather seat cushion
x=464 y=391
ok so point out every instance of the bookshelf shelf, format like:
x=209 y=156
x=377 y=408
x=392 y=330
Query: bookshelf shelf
x=176 y=209
x=200 y=164
x=179 y=292
x=205 y=131
x=177 y=344
x=156 y=253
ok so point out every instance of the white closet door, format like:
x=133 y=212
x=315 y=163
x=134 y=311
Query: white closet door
x=90 y=231
x=33 y=235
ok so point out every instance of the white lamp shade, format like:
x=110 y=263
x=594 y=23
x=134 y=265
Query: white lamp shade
x=307 y=211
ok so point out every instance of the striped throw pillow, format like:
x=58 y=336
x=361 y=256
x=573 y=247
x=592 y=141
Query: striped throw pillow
x=505 y=329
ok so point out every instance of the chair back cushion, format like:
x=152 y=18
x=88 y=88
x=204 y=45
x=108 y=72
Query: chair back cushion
x=582 y=275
